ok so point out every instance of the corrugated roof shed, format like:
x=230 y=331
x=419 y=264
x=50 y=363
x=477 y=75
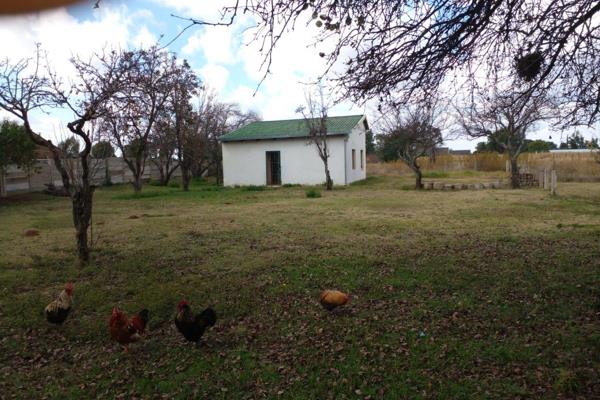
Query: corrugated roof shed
x=290 y=128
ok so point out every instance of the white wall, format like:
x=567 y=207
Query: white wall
x=244 y=163
x=357 y=141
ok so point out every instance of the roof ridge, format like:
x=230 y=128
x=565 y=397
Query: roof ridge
x=300 y=119
x=289 y=128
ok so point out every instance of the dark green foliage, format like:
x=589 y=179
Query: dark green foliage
x=370 y=139
x=70 y=147
x=539 y=146
x=131 y=149
x=103 y=149
x=577 y=141
x=495 y=144
x=254 y=188
x=497 y=141
x=15 y=146
x=313 y=193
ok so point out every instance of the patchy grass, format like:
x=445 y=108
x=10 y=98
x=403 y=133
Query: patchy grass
x=436 y=174
x=313 y=193
x=466 y=294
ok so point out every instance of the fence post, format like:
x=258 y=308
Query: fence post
x=553 y=183
x=508 y=166
x=546 y=178
x=541 y=180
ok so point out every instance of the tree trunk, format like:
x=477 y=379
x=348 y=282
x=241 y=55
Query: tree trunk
x=168 y=175
x=2 y=183
x=82 y=214
x=328 y=181
x=418 y=178
x=185 y=178
x=137 y=183
x=164 y=181
x=514 y=173
x=107 y=180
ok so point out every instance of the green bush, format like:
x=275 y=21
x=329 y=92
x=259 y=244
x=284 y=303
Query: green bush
x=313 y=193
x=289 y=185
x=435 y=174
x=367 y=181
x=254 y=188
x=174 y=184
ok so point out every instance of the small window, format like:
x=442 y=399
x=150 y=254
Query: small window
x=362 y=161
x=353 y=159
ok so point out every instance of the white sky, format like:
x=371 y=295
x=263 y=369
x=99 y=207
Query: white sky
x=225 y=58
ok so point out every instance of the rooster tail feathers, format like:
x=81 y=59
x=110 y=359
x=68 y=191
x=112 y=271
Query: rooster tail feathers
x=144 y=315
x=208 y=317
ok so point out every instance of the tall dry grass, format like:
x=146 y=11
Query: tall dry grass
x=570 y=167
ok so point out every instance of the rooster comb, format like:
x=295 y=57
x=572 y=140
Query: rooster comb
x=182 y=303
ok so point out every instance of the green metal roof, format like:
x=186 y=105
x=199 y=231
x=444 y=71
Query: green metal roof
x=290 y=128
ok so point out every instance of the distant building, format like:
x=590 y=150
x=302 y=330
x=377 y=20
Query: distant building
x=279 y=152
x=573 y=150
x=460 y=152
x=447 y=150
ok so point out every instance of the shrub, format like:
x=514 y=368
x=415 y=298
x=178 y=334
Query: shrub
x=435 y=174
x=254 y=188
x=289 y=185
x=313 y=193
x=174 y=184
x=367 y=181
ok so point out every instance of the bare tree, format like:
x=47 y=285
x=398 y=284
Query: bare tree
x=409 y=134
x=409 y=48
x=214 y=119
x=185 y=84
x=23 y=89
x=162 y=147
x=506 y=118
x=315 y=118
x=139 y=104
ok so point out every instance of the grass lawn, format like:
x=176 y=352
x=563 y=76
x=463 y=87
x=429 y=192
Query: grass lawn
x=465 y=294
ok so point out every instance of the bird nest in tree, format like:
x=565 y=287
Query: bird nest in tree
x=529 y=65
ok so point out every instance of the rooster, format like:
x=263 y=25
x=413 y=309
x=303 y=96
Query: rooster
x=192 y=326
x=331 y=299
x=57 y=311
x=124 y=330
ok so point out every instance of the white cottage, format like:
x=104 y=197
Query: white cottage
x=278 y=152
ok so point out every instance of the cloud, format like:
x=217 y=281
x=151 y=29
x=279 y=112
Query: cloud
x=62 y=36
x=144 y=38
x=214 y=76
x=216 y=44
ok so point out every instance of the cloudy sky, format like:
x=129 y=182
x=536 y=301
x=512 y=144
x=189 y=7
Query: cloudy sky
x=225 y=58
